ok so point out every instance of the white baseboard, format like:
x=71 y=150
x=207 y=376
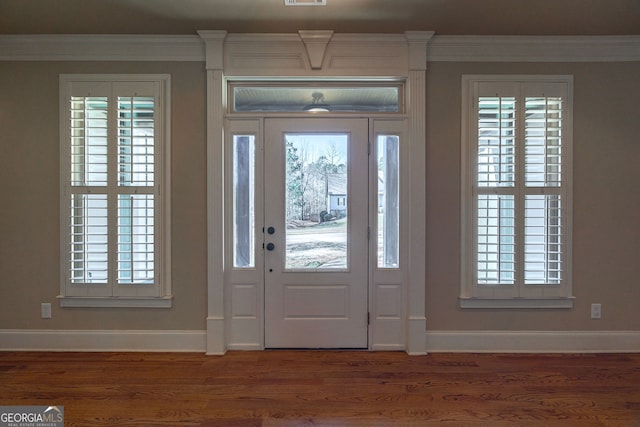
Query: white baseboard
x=90 y=340
x=533 y=341
x=436 y=341
x=245 y=346
x=215 y=336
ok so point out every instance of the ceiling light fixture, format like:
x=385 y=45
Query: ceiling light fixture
x=305 y=2
x=317 y=104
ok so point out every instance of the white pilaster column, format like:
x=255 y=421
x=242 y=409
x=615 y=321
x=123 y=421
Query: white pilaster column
x=416 y=110
x=214 y=50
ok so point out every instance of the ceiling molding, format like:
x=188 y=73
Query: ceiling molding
x=534 y=49
x=92 y=47
x=440 y=48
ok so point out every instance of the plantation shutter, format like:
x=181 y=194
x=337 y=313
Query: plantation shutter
x=113 y=167
x=518 y=188
x=543 y=184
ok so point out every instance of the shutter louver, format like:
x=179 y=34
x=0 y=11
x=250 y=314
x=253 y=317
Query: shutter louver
x=89 y=215
x=507 y=179
x=114 y=180
x=136 y=160
x=543 y=174
x=496 y=240
x=516 y=159
x=89 y=246
x=135 y=238
x=98 y=195
x=543 y=240
x=136 y=141
x=496 y=141
x=496 y=169
x=543 y=142
x=89 y=141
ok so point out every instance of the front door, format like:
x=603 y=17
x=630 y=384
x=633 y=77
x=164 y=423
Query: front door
x=316 y=233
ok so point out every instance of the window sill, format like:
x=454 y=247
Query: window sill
x=516 y=302
x=116 y=302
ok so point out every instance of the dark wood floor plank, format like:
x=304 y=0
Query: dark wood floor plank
x=300 y=388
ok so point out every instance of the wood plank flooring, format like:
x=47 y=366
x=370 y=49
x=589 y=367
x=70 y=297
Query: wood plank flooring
x=326 y=388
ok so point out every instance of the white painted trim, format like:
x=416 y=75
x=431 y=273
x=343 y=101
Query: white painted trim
x=245 y=346
x=534 y=48
x=110 y=294
x=516 y=302
x=215 y=336
x=90 y=47
x=285 y=57
x=390 y=347
x=102 y=302
x=436 y=341
x=533 y=341
x=106 y=340
x=472 y=293
x=280 y=56
x=316 y=44
x=415 y=337
x=216 y=340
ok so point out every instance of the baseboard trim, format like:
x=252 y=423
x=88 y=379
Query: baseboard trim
x=533 y=341
x=108 y=340
x=245 y=347
x=436 y=341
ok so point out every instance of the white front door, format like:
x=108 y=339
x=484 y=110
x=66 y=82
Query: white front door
x=316 y=233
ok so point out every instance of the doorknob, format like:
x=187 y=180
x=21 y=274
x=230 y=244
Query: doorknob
x=270 y=246
x=271 y=230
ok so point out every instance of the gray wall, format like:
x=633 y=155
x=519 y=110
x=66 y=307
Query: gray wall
x=30 y=208
x=606 y=199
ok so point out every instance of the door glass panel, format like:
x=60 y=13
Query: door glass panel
x=243 y=201
x=316 y=201
x=388 y=201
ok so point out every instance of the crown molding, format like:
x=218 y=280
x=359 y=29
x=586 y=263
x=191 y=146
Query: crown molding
x=101 y=48
x=41 y=47
x=534 y=48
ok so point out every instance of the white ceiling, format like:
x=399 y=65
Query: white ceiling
x=481 y=17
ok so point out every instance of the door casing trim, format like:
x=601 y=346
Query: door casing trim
x=278 y=56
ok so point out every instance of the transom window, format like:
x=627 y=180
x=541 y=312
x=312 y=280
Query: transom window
x=314 y=97
x=516 y=191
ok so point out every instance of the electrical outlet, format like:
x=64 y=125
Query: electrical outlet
x=45 y=310
x=596 y=311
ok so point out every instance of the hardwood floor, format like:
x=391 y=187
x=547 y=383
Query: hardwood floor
x=323 y=388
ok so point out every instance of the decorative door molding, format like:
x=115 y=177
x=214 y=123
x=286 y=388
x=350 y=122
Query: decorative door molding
x=322 y=55
x=442 y=48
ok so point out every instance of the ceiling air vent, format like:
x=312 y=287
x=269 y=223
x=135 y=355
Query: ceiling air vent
x=305 y=2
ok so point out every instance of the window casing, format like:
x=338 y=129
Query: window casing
x=114 y=164
x=516 y=191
